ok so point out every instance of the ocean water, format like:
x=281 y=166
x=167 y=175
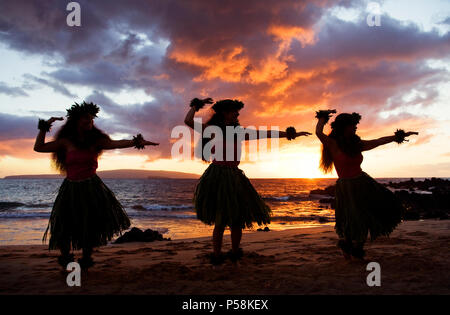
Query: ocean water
x=160 y=204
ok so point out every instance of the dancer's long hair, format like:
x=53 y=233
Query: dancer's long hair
x=218 y=119
x=69 y=131
x=349 y=145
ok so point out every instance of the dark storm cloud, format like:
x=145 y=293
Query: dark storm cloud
x=56 y=86
x=11 y=91
x=17 y=127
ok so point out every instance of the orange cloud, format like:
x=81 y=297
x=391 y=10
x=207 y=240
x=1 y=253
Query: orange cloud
x=288 y=33
x=20 y=148
x=227 y=64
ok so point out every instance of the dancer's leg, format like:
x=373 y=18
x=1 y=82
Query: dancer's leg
x=346 y=246
x=236 y=236
x=65 y=249
x=86 y=261
x=66 y=257
x=217 y=239
x=358 y=250
x=87 y=252
x=236 y=252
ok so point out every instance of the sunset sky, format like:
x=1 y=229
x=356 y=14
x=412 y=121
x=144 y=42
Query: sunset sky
x=142 y=61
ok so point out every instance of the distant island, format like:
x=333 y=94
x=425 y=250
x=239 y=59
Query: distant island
x=120 y=174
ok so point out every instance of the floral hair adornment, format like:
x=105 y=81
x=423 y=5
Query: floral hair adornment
x=78 y=110
x=345 y=119
x=227 y=105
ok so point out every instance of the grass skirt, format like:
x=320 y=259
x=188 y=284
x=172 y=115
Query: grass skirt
x=224 y=196
x=85 y=214
x=362 y=206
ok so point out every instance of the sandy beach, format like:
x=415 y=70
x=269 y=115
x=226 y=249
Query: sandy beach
x=413 y=260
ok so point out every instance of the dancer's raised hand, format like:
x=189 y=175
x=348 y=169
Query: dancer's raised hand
x=400 y=135
x=291 y=133
x=197 y=103
x=46 y=125
x=139 y=142
x=145 y=142
x=325 y=114
x=53 y=119
x=410 y=133
x=208 y=100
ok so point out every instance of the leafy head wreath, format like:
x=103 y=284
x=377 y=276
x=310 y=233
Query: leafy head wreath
x=78 y=110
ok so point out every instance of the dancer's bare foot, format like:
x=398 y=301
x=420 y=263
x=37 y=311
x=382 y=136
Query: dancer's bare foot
x=347 y=256
x=217 y=259
x=346 y=248
x=358 y=253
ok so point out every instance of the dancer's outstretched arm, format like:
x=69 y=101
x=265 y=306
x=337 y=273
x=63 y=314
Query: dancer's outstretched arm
x=372 y=144
x=108 y=144
x=40 y=145
x=262 y=134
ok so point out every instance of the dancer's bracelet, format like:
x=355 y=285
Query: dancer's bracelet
x=137 y=141
x=44 y=125
x=324 y=114
x=197 y=104
x=400 y=136
x=291 y=133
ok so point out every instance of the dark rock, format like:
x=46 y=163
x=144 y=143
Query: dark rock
x=435 y=204
x=426 y=185
x=9 y=205
x=410 y=215
x=417 y=205
x=425 y=206
x=331 y=201
x=137 y=235
x=266 y=229
x=323 y=220
x=329 y=191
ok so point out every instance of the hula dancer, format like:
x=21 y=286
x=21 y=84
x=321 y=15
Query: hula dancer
x=362 y=204
x=86 y=214
x=224 y=196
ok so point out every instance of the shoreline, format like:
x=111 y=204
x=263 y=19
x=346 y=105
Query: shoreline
x=199 y=230
x=413 y=260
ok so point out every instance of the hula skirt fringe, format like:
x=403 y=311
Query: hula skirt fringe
x=85 y=214
x=224 y=196
x=363 y=206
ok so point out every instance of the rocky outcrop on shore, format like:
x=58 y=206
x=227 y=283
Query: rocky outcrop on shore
x=137 y=235
x=425 y=199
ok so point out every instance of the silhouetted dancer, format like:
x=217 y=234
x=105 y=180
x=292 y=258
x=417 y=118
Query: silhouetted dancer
x=85 y=214
x=362 y=204
x=224 y=196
